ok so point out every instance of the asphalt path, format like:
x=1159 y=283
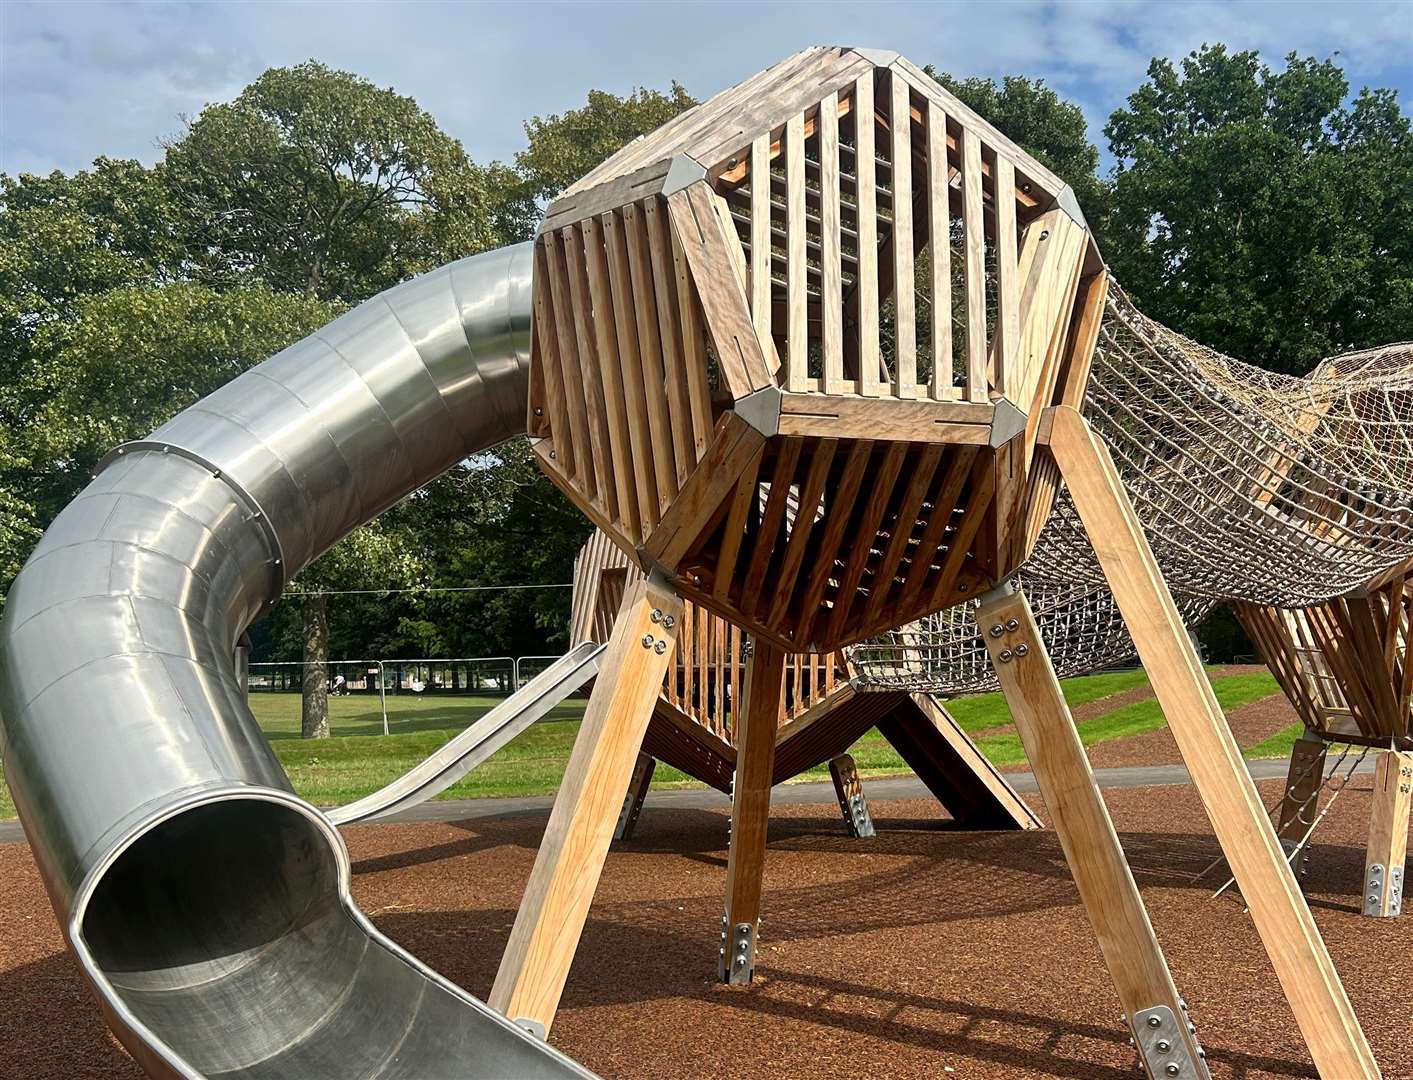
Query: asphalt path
x=881 y=789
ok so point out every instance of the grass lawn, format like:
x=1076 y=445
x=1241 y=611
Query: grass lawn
x=1278 y=745
x=358 y=759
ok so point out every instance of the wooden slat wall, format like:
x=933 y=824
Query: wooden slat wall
x=832 y=213
x=621 y=383
x=1343 y=665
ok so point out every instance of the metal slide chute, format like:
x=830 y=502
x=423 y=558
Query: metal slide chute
x=480 y=740
x=207 y=904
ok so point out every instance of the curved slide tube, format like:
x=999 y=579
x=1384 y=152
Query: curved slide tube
x=479 y=741
x=205 y=902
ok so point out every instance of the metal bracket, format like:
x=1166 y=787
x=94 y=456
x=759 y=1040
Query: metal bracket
x=1163 y=1048
x=856 y=817
x=1374 y=891
x=737 y=960
x=534 y=1027
x=1007 y=421
x=761 y=409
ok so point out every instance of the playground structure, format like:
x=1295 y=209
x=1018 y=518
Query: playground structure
x=812 y=355
x=822 y=714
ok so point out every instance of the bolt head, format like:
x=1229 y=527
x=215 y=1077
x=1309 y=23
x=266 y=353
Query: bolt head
x=647 y=641
x=997 y=630
x=1004 y=656
x=1012 y=624
x=1153 y=1021
x=1172 y=1068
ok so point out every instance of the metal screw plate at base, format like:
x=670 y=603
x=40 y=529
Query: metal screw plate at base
x=1158 y=1036
x=738 y=953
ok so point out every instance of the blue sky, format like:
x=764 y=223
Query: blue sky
x=82 y=79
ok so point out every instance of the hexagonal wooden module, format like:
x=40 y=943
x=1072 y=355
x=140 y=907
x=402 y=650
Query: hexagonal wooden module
x=728 y=378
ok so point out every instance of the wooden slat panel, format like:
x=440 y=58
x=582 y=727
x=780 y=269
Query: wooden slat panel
x=865 y=530
x=866 y=285
x=733 y=446
x=760 y=240
x=664 y=441
x=772 y=521
x=905 y=330
x=839 y=511
x=612 y=369
x=975 y=230
x=578 y=434
x=659 y=233
x=552 y=371
x=796 y=314
x=1007 y=283
x=939 y=251
x=693 y=348
x=920 y=479
x=803 y=526
x=703 y=237
x=741 y=503
x=983 y=489
x=591 y=369
x=831 y=265
x=644 y=448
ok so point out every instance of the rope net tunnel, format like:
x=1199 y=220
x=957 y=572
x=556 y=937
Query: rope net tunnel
x=1251 y=485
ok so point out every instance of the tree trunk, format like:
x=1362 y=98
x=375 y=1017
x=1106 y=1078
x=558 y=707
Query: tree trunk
x=314 y=717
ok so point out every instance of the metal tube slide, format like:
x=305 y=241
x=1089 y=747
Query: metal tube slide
x=469 y=748
x=207 y=904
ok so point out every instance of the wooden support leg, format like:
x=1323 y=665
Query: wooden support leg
x=566 y=872
x=1388 y=834
x=1298 y=809
x=1106 y=887
x=1293 y=942
x=638 y=785
x=750 y=811
x=849 y=788
x=975 y=792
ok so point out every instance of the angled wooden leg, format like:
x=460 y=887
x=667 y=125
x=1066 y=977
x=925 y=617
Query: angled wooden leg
x=1106 y=887
x=1388 y=834
x=638 y=785
x=750 y=811
x=1298 y=809
x=566 y=872
x=1293 y=942
x=849 y=789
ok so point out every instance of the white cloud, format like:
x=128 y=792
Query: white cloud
x=82 y=79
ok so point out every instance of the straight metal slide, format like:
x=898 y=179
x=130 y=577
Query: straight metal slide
x=459 y=756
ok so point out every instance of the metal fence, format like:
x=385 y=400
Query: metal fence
x=467 y=675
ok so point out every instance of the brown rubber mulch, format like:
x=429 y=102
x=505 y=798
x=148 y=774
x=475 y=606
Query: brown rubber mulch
x=923 y=953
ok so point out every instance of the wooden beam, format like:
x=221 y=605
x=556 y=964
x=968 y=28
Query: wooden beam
x=1387 y=852
x=750 y=810
x=576 y=840
x=1077 y=811
x=1302 y=784
x=1293 y=942
x=638 y=785
x=848 y=788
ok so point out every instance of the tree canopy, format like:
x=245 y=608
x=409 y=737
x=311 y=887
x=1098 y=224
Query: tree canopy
x=1263 y=211
x=1257 y=212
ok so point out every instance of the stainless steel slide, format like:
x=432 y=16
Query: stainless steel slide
x=207 y=904
x=464 y=752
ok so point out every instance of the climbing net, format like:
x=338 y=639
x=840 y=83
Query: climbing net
x=1250 y=485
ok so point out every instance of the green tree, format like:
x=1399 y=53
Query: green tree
x=1256 y=212
x=565 y=146
x=317 y=181
x=1045 y=126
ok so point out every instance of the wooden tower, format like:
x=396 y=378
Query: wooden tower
x=822 y=714
x=812 y=354
x=1344 y=667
